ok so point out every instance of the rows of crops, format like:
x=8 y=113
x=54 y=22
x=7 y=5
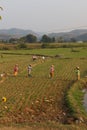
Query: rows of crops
x=37 y=98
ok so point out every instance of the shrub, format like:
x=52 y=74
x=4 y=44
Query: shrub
x=22 y=46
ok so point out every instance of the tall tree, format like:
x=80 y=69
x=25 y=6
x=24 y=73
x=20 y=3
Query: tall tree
x=29 y=38
x=45 y=39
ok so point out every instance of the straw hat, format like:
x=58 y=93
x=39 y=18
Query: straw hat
x=77 y=67
x=4 y=99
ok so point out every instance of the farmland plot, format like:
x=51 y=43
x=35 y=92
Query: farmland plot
x=37 y=98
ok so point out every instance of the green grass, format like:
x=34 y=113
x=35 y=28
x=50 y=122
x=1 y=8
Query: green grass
x=74 y=100
x=80 y=52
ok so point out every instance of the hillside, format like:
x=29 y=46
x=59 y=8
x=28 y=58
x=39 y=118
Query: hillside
x=82 y=37
x=78 y=34
x=6 y=34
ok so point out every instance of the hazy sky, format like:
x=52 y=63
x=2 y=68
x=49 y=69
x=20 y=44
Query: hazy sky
x=44 y=15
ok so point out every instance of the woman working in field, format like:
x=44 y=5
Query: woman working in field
x=77 y=73
x=29 y=70
x=51 y=71
x=16 y=70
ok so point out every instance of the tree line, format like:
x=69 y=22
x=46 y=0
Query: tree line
x=30 y=38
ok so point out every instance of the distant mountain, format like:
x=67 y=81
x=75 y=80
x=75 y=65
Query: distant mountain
x=78 y=31
x=79 y=34
x=15 y=33
x=82 y=37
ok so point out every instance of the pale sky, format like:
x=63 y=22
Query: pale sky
x=44 y=15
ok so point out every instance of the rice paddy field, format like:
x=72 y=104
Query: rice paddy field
x=39 y=99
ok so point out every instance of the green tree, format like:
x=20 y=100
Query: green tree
x=45 y=39
x=53 y=39
x=22 y=40
x=13 y=40
x=73 y=40
x=30 y=38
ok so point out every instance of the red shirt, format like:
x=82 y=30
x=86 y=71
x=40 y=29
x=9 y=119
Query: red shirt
x=16 y=69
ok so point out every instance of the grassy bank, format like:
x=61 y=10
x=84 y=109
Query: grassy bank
x=79 y=52
x=74 y=99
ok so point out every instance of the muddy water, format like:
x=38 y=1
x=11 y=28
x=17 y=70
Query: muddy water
x=85 y=100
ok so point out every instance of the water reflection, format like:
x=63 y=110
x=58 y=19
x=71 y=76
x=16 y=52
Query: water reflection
x=85 y=99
